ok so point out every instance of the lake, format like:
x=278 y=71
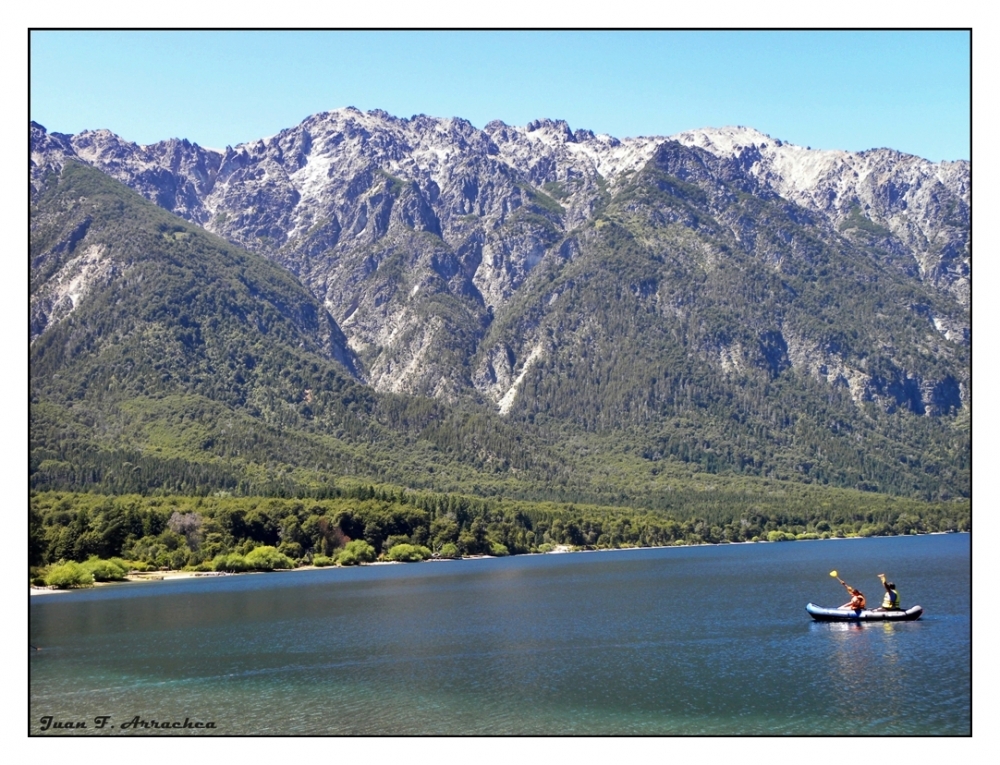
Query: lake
x=709 y=640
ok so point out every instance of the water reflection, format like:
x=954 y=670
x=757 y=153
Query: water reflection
x=838 y=626
x=866 y=657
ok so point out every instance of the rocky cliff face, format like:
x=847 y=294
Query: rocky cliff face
x=435 y=244
x=910 y=205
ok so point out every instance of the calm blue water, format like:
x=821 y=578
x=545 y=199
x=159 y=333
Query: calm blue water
x=697 y=640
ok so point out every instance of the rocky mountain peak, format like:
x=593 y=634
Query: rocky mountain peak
x=422 y=235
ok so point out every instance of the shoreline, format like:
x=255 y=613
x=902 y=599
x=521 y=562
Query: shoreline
x=159 y=576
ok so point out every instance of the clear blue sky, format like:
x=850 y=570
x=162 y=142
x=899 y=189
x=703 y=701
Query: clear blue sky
x=832 y=90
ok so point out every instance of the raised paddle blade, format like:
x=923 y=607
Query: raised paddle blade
x=833 y=574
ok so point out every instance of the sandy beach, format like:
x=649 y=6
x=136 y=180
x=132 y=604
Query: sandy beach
x=150 y=576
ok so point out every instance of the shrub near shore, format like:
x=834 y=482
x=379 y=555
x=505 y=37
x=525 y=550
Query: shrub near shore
x=68 y=575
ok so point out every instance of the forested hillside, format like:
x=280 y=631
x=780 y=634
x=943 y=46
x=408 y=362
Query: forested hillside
x=675 y=342
x=731 y=331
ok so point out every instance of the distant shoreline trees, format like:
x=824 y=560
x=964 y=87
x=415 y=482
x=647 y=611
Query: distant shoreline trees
x=76 y=538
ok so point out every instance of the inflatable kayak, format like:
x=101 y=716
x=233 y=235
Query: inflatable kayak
x=821 y=614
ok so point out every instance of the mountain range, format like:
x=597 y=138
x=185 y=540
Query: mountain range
x=522 y=298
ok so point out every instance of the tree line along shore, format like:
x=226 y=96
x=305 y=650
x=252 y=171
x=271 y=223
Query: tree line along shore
x=78 y=538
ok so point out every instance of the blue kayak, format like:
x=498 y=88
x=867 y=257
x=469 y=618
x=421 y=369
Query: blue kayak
x=821 y=614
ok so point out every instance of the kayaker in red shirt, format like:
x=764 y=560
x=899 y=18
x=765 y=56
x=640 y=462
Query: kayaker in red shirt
x=857 y=601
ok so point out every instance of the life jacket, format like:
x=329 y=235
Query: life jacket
x=891 y=599
x=858 y=601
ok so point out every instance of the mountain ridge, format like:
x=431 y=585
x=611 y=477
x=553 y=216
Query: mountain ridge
x=433 y=175
x=799 y=174
x=583 y=283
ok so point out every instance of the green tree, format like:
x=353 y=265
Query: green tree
x=356 y=552
x=105 y=570
x=406 y=553
x=449 y=550
x=234 y=562
x=267 y=558
x=68 y=575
